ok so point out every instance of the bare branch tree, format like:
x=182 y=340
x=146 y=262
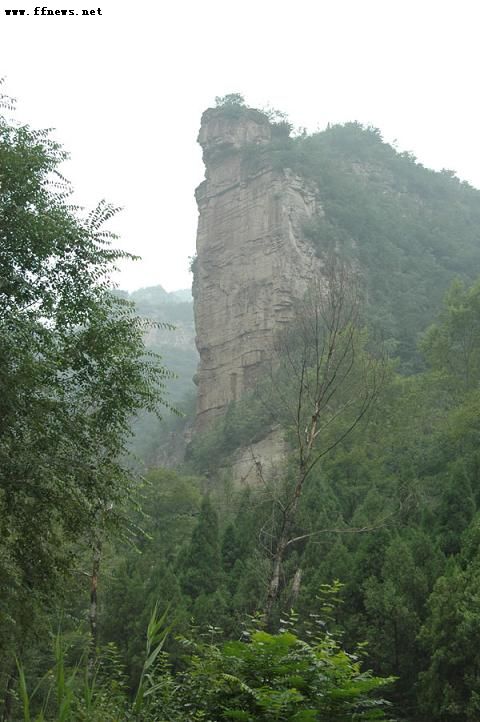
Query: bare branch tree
x=323 y=382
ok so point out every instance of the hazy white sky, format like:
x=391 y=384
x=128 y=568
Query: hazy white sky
x=125 y=91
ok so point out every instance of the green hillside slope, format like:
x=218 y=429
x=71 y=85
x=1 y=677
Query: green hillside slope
x=412 y=229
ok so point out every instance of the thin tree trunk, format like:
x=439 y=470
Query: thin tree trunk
x=93 y=614
x=288 y=522
x=9 y=696
x=297 y=580
x=273 y=591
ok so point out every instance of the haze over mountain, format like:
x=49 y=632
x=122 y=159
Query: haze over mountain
x=313 y=511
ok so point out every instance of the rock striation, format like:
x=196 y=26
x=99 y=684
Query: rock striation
x=252 y=257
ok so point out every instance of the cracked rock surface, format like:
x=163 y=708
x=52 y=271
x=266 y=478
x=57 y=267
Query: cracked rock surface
x=252 y=257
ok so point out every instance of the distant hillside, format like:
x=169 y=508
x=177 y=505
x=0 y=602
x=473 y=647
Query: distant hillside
x=412 y=229
x=156 y=441
x=151 y=297
x=176 y=346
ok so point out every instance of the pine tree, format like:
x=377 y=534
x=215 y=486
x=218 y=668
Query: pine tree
x=202 y=565
x=229 y=548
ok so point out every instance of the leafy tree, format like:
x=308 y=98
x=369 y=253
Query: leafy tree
x=73 y=371
x=280 y=677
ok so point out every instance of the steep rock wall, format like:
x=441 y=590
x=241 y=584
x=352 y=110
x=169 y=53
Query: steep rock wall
x=252 y=259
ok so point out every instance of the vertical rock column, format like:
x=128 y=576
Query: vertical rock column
x=252 y=260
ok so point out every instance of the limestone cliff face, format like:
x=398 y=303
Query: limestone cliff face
x=252 y=259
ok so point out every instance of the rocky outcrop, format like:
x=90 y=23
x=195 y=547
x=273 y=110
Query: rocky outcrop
x=252 y=257
x=260 y=462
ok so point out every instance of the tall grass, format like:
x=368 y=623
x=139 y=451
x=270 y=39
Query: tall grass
x=79 y=693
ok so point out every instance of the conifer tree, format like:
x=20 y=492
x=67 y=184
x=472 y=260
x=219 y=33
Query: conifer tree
x=202 y=564
x=229 y=548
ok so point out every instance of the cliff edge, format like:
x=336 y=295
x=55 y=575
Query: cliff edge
x=252 y=258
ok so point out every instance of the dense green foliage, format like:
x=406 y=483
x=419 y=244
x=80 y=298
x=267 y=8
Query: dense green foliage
x=392 y=510
x=263 y=677
x=73 y=371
